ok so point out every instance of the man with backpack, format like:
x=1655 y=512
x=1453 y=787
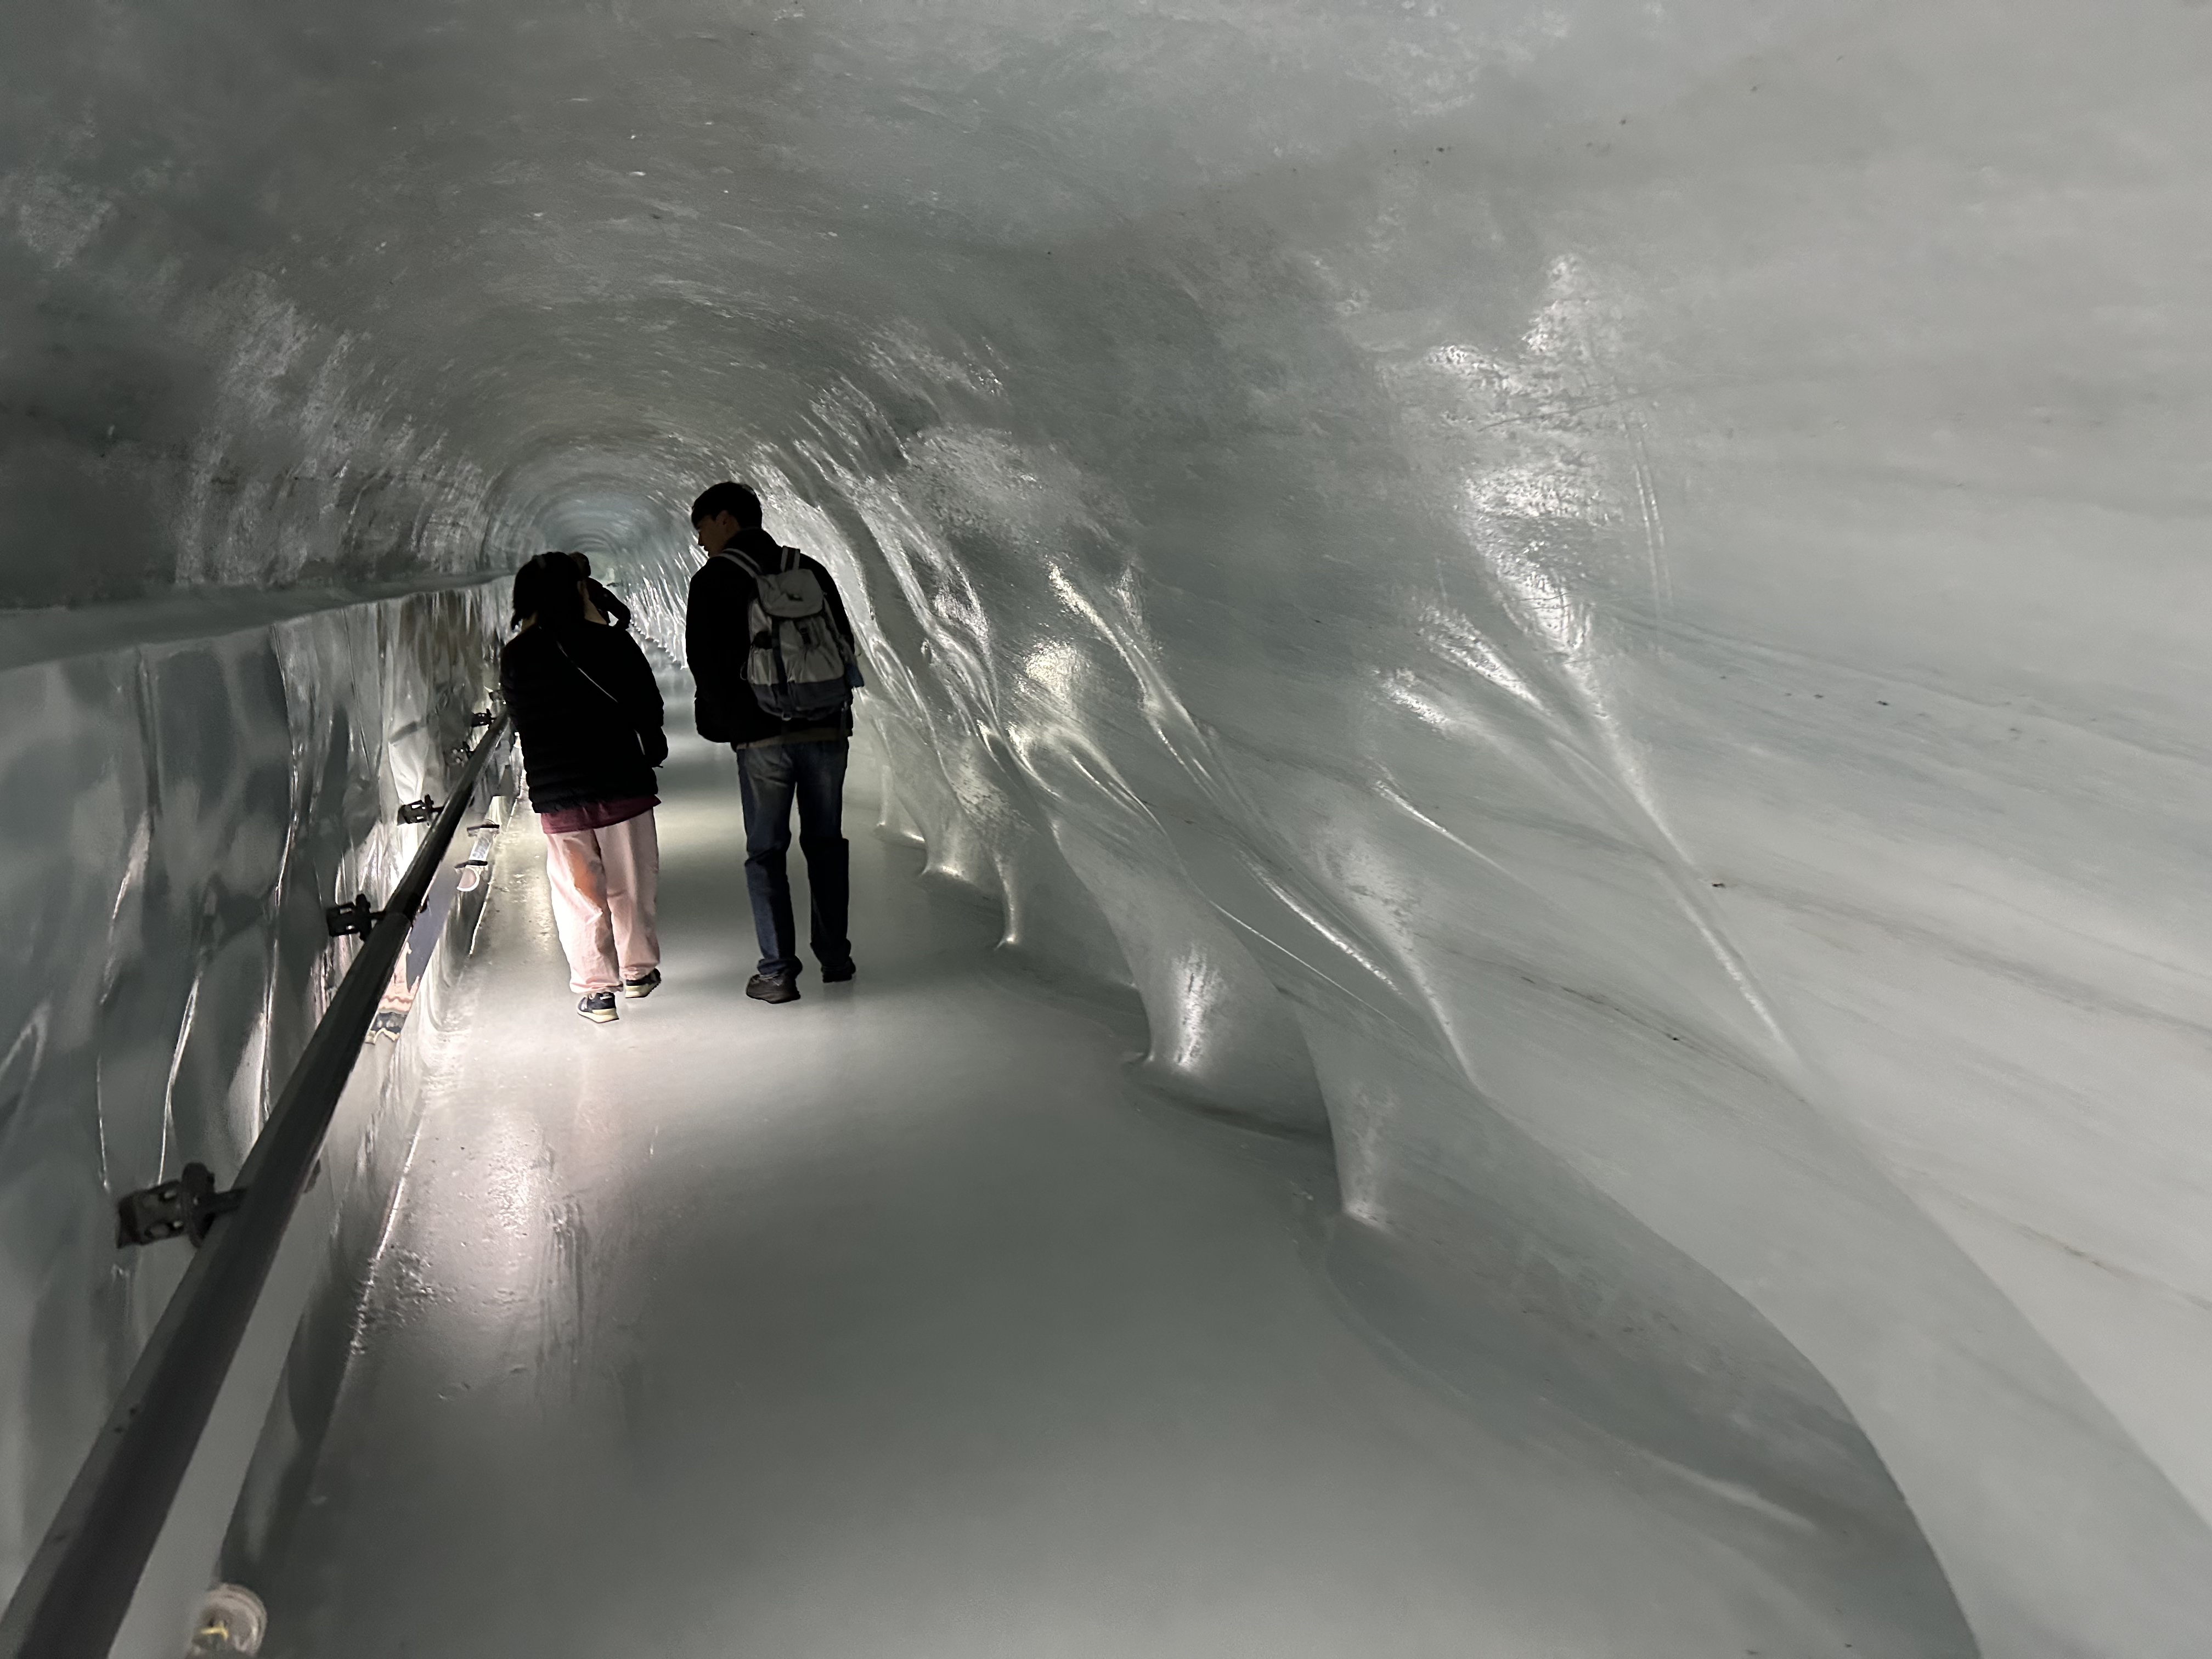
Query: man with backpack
x=771 y=651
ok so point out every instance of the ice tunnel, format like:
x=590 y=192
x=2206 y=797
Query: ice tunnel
x=1531 y=817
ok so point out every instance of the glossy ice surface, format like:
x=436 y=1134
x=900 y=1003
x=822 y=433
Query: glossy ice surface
x=1606 y=600
x=186 y=786
x=889 y=1321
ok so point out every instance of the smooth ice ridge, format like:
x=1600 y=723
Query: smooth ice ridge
x=1600 y=604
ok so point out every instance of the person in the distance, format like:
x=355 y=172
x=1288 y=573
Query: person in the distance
x=771 y=648
x=588 y=712
x=599 y=598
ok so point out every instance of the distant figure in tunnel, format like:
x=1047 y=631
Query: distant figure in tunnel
x=588 y=712
x=615 y=612
x=771 y=649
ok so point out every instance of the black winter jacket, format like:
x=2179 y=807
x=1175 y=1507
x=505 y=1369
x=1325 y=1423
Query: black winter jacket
x=583 y=742
x=717 y=635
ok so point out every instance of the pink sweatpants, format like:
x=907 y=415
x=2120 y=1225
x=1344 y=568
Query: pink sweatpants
x=603 y=883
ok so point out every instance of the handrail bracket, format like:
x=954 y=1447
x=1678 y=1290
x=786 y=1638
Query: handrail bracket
x=187 y=1205
x=354 y=917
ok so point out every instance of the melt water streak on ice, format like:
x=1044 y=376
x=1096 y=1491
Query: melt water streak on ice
x=1602 y=603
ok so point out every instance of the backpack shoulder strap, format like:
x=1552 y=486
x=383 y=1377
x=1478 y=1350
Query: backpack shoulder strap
x=786 y=560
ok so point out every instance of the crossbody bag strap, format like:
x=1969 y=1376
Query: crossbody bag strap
x=635 y=736
x=580 y=669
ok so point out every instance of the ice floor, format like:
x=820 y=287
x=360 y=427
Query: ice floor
x=897 y=1322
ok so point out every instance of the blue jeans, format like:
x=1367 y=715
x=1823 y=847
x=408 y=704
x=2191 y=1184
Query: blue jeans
x=769 y=779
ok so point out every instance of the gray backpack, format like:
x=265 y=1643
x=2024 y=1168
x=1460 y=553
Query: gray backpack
x=798 y=664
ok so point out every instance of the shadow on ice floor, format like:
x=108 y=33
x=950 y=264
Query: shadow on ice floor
x=894 y=1322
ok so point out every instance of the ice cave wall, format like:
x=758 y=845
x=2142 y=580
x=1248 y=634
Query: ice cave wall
x=185 y=796
x=1608 y=597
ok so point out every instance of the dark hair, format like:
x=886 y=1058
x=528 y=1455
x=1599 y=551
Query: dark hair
x=546 y=588
x=583 y=565
x=734 y=499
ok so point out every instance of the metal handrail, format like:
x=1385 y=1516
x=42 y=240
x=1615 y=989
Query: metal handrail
x=76 y=1591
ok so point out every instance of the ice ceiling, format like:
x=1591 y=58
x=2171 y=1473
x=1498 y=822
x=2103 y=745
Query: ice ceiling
x=1608 y=596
